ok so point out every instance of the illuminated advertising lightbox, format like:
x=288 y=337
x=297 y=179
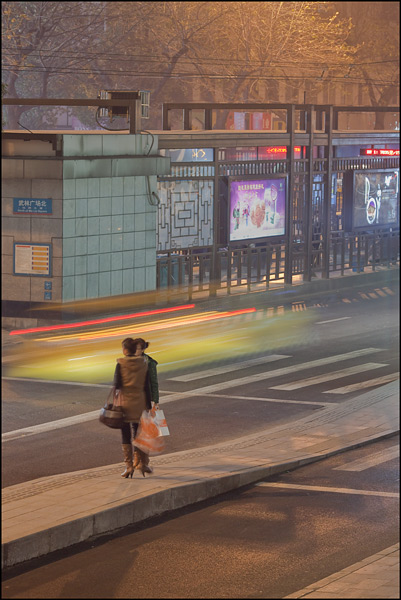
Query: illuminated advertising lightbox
x=375 y=199
x=257 y=208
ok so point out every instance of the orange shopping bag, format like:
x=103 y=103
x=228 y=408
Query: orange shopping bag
x=149 y=438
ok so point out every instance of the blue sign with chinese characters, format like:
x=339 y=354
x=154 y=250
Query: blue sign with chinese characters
x=32 y=206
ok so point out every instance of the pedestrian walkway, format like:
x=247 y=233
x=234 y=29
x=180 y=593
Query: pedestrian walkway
x=377 y=576
x=51 y=513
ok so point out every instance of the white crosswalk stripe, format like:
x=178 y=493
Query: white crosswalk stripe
x=362 y=385
x=227 y=368
x=372 y=460
x=295 y=385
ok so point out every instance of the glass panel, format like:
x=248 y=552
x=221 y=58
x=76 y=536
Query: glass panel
x=240 y=153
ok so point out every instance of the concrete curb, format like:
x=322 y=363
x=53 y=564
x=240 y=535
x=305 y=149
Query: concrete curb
x=154 y=504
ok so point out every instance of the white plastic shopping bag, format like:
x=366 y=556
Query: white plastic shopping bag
x=149 y=438
x=161 y=421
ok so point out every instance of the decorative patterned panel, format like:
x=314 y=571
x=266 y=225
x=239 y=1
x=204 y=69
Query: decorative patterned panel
x=185 y=214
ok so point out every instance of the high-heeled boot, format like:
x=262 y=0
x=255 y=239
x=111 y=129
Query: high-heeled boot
x=129 y=468
x=143 y=464
x=137 y=459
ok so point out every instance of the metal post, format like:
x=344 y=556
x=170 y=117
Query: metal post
x=268 y=264
x=165 y=112
x=308 y=204
x=132 y=117
x=187 y=115
x=290 y=191
x=214 y=281
x=190 y=275
x=249 y=268
x=208 y=119
x=327 y=195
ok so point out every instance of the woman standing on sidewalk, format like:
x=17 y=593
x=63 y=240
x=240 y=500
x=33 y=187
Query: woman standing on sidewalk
x=135 y=377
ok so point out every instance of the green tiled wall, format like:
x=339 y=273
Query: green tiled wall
x=109 y=237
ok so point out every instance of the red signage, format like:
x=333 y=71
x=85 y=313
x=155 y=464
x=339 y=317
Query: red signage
x=271 y=152
x=378 y=152
x=280 y=149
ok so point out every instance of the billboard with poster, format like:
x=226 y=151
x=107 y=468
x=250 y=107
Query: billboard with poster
x=257 y=208
x=375 y=199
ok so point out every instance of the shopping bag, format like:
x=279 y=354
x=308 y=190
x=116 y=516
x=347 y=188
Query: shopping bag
x=112 y=414
x=149 y=438
x=160 y=419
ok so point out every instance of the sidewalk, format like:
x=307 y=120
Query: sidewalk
x=377 y=576
x=55 y=512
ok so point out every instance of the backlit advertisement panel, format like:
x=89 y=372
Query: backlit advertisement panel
x=257 y=208
x=375 y=198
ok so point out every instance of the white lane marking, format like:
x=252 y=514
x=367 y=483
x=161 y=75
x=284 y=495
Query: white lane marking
x=34 y=380
x=199 y=391
x=332 y=320
x=43 y=427
x=328 y=376
x=91 y=416
x=320 y=488
x=232 y=367
x=371 y=460
x=364 y=384
x=281 y=401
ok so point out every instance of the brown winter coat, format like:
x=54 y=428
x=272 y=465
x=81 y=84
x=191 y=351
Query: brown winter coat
x=133 y=375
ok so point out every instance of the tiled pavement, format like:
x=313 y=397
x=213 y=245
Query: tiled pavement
x=55 y=512
x=377 y=576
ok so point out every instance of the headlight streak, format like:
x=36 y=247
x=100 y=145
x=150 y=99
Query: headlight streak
x=121 y=329
x=146 y=327
x=82 y=357
x=168 y=325
x=98 y=321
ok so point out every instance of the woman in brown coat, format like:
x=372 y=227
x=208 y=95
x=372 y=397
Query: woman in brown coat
x=135 y=378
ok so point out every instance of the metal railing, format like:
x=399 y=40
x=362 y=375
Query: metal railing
x=191 y=270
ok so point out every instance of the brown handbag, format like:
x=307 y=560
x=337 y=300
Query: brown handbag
x=112 y=414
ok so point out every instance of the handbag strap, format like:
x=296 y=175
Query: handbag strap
x=111 y=396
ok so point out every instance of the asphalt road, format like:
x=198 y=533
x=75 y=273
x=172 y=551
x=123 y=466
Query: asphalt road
x=245 y=395
x=262 y=541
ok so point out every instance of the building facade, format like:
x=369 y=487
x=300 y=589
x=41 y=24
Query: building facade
x=99 y=215
x=79 y=216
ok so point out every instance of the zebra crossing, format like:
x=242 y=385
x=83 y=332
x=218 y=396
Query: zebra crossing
x=215 y=389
